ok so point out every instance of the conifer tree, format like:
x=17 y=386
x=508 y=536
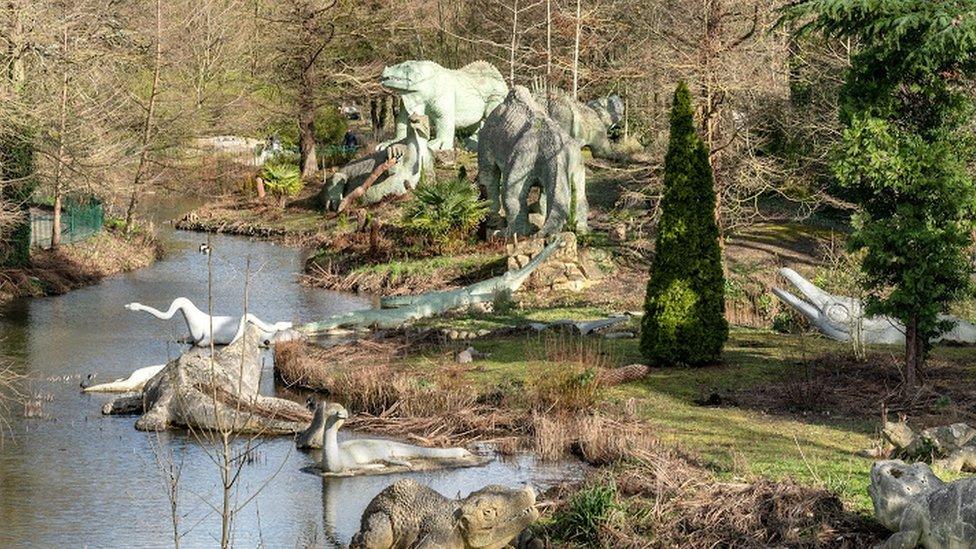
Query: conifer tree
x=684 y=310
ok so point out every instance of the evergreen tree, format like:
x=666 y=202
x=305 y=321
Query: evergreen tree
x=684 y=310
x=906 y=102
x=17 y=183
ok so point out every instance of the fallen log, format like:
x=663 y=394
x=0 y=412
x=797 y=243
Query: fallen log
x=410 y=308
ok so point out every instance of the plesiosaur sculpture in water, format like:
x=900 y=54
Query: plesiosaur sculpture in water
x=226 y=329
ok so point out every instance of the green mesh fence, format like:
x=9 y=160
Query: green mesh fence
x=80 y=219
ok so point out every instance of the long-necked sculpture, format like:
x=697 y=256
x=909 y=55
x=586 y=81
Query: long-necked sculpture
x=355 y=456
x=226 y=329
x=132 y=384
x=455 y=100
x=578 y=119
x=920 y=509
x=198 y=391
x=411 y=161
x=842 y=318
x=520 y=147
x=407 y=514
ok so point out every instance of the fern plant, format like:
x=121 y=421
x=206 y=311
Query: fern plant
x=444 y=214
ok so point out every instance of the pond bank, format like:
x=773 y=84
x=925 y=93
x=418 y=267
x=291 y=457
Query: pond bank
x=73 y=266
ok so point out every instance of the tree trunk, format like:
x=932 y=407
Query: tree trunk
x=913 y=352
x=576 y=50
x=147 y=129
x=306 y=125
x=62 y=124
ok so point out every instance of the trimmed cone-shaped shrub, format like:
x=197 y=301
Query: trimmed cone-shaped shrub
x=684 y=310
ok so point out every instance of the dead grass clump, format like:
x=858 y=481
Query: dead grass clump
x=595 y=438
x=574 y=384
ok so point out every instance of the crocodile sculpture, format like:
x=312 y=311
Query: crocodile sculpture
x=412 y=162
x=578 y=119
x=520 y=147
x=409 y=515
x=356 y=456
x=842 y=318
x=204 y=329
x=455 y=100
x=921 y=509
x=198 y=392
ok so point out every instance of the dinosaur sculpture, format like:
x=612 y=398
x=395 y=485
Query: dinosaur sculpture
x=198 y=391
x=921 y=509
x=952 y=447
x=412 y=162
x=409 y=515
x=579 y=120
x=521 y=146
x=226 y=329
x=842 y=318
x=357 y=456
x=132 y=384
x=455 y=100
x=610 y=109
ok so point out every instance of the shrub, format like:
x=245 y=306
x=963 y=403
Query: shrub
x=281 y=178
x=445 y=213
x=684 y=310
x=330 y=126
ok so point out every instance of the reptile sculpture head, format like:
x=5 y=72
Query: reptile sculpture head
x=335 y=414
x=494 y=515
x=895 y=485
x=408 y=76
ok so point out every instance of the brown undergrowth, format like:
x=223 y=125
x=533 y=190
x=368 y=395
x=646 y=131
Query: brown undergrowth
x=54 y=272
x=669 y=500
x=554 y=415
x=838 y=385
x=390 y=262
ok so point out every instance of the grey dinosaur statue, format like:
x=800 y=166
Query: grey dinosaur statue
x=412 y=162
x=358 y=456
x=610 y=109
x=520 y=147
x=197 y=392
x=578 y=119
x=409 y=515
x=921 y=509
x=842 y=318
x=455 y=100
x=952 y=447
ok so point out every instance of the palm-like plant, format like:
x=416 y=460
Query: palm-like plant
x=281 y=178
x=444 y=213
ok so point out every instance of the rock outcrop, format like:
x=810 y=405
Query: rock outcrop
x=197 y=391
x=407 y=514
x=921 y=509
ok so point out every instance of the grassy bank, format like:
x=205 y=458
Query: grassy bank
x=54 y=272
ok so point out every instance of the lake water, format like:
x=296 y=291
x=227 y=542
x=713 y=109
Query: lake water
x=72 y=477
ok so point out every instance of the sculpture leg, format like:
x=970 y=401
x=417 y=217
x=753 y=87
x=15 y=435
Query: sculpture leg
x=580 y=206
x=558 y=198
x=444 y=126
x=489 y=177
x=516 y=188
x=376 y=533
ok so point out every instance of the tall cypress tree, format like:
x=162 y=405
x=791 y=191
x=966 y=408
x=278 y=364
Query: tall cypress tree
x=684 y=310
